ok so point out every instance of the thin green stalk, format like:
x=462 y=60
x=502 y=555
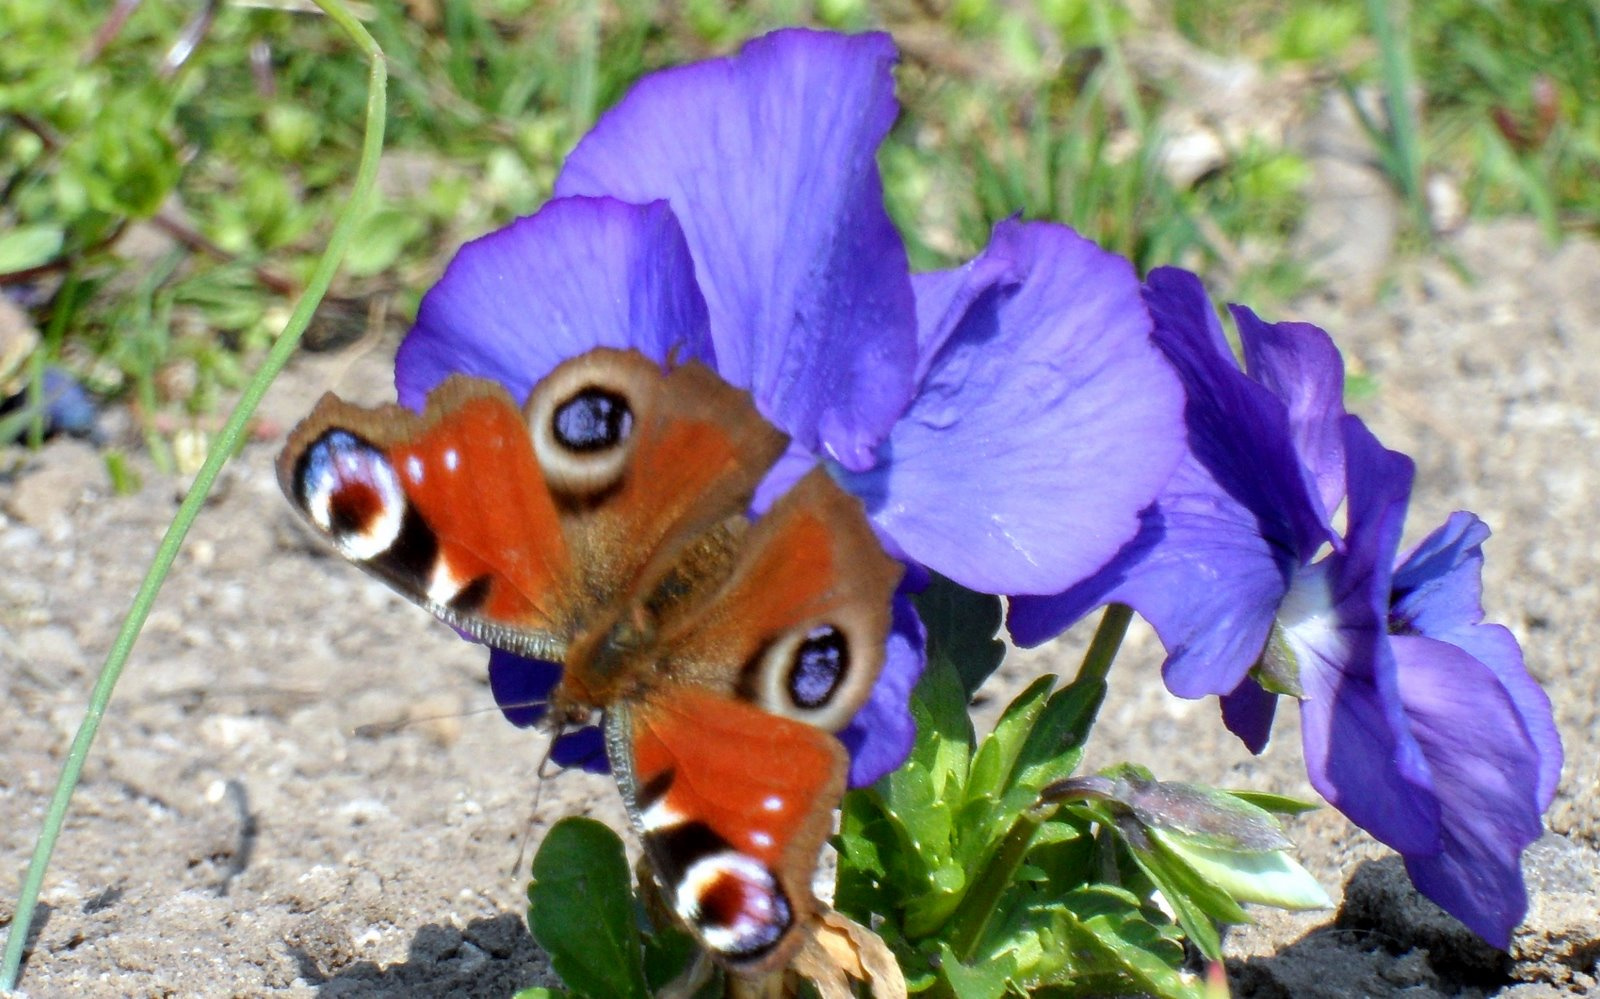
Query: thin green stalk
x=1103 y=647
x=222 y=449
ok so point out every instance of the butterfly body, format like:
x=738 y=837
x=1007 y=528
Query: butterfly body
x=604 y=526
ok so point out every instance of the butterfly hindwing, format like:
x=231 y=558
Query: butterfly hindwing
x=733 y=805
x=801 y=625
x=448 y=506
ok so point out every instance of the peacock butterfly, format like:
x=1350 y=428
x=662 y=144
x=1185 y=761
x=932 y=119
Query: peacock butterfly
x=604 y=525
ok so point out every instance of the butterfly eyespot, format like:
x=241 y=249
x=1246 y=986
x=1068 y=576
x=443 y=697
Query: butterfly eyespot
x=583 y=418
x=351 y=492
x=812 y=674
x=594 y=419
x=819 y=665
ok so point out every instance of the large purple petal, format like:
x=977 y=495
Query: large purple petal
x=1299 y=364
x=768 y=160
x=1214 y=556
x=1359 y=750
x=1485 y=770
x=1437 y=592
x=579 y=274
x=1200 y=572
x=1355 y=736
x=879 y=737
x=1046 y=420
x=1238 y=429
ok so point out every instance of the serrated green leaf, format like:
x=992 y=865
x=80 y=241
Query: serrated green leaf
x=943 y=747
x=992 y=767
x=1115 y=950
x=962 y=626
x=25 y=246
x=1054 y=746
x=988 y=979
x=1270 y=878
x=581 y=910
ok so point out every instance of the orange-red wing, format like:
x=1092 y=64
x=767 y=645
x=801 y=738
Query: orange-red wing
x=801 y=625
x=449 y=507
x=697 y=451
x=733 y=805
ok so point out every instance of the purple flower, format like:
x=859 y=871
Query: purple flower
x=731 y=212
x=1419 y=722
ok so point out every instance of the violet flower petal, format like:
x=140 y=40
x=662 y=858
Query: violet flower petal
x=1214 y=557
x=1359 y=751
x=1485 y=771
x=769 y=161
x=1045 y=422
x=1238 y=428
x=1437 y=593
x=581 y=273
x=584 y=747
x=879 y=737
x=1200 y=572
x=521 y=686
x=1248 y=713
x=1299 y=364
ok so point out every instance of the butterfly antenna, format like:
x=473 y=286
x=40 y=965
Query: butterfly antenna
x=533 y=813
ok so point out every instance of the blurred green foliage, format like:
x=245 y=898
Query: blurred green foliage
x=167 y=176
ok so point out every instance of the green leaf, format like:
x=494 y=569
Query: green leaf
x=26 y=246
x=992 y=767
x=1270 y=878
x=1054 y=747
x=1115 y=950
x=1280 y=804
x=581 y=910
x=962 y=626
x=538 y=992
x=988 y=979
x=944 y=740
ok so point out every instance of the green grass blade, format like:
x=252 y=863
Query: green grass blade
x=1391 y=30
x=221 y=450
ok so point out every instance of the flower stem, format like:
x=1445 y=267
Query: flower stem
x=1103 y=647
x=978 y=906
x=222 y=449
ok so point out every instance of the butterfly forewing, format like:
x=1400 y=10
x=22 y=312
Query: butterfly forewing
x=449 y=507
x=733 y=806
x=662 y=459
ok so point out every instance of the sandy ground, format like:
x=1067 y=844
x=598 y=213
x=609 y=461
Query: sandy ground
x=302 y=788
